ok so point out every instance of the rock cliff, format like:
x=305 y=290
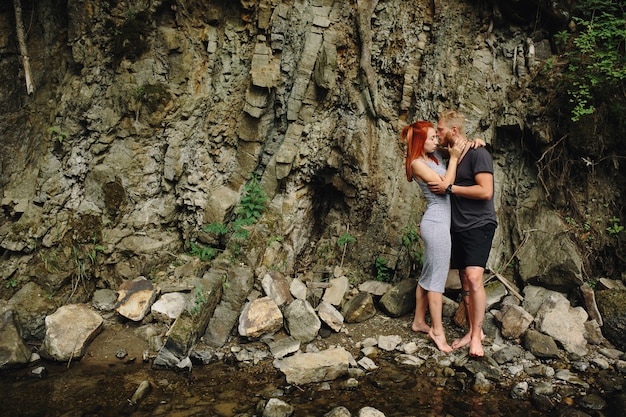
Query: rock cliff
x=150 y=119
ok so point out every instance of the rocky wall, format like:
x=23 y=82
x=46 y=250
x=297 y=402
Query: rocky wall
x=149 y=117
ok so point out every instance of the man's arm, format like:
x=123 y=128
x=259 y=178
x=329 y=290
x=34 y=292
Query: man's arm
x=483 y=190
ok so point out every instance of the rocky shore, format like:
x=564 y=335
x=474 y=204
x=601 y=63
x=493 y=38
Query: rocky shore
x=540 y=350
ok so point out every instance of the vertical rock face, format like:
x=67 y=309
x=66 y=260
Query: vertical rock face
x=152 y=117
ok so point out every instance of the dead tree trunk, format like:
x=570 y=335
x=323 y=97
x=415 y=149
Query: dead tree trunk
x=21 y=41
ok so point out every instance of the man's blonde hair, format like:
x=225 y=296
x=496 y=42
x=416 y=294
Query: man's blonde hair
x=453 y=118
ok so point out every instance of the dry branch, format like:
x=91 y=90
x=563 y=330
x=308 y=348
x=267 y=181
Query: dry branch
x=21 y=40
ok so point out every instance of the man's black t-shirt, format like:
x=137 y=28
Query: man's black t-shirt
x=468 y=213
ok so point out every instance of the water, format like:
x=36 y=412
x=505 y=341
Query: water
x=230 y=390
x=101 y=385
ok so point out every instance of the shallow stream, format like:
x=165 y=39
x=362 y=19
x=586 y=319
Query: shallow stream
x=100 y=384
x=224 y=390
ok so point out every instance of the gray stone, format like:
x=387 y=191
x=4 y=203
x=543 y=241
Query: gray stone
x=358 y=308
x=540 y=345
x=305 y=368
x=69 y=330
x=301 y=321
x=612 y=306
x=13 y=350
x=400 y=299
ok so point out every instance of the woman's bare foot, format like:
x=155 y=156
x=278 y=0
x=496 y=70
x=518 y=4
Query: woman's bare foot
x=440 y=341
x=420 y=327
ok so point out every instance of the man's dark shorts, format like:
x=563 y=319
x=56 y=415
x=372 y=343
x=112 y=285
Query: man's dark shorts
x=471 y=247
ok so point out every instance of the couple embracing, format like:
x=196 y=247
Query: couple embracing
x=458 y=225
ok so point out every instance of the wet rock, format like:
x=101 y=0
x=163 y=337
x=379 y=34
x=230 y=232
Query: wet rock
x=140 y=393
x=592 y=402
x=567 y=376
x=338 y=412
x=481 y=384
x=370 y=412
x=519 y=390
x=277 y=408
x=541 y=402
x=485 y=365
x=409 y=360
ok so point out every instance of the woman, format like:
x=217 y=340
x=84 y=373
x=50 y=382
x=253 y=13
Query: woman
x=423 y=164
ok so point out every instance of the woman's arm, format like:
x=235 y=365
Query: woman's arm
x=423 y=172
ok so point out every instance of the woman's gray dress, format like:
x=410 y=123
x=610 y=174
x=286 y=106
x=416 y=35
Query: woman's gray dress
x=435 y=232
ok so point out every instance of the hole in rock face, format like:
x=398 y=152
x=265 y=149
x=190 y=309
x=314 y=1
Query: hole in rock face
x=114 y=196
x=328 y=203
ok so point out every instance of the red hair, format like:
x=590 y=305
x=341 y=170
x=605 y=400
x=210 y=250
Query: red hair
x=415 y=136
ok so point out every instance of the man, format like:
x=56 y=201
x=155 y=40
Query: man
x=473 y=223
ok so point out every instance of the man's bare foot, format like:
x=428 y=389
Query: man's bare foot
x=462 y=342
x=465 y=340
x=476 y=349
x=420 y=327
x=440 y=341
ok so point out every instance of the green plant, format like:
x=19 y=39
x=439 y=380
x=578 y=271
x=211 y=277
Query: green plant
x=12 y=283
x=248 y=211
x=225 y=283
x=595 y=55
x=198 y=301
x=57 y=134
x=218 y=229
x=92 y=253
x=274 y=239
x=615 y=226
x=344 y=241
x=383 y=273
x=205 y=253
x=80 y=273
x=253 y=202
x=411 y=241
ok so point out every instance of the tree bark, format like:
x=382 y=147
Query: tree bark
x=21 y=40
